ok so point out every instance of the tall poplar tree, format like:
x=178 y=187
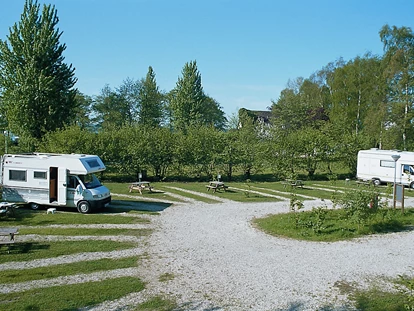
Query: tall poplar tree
x=37 y=87
x=399 y=58
x=187 y=98
x=150 y=101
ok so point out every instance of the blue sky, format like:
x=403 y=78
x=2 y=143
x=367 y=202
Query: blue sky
x=246 y=50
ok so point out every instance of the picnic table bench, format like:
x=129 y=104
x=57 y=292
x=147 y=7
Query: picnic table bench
x=364 y=182
x=293 y=183
x=7 y=236
x=216 y=185
x=140 y=185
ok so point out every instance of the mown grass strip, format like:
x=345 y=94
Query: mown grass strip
x=71 y=297
x=25 y=217
x=24 y=251
x=16 y=276
x=86 y=231
x=157 y=304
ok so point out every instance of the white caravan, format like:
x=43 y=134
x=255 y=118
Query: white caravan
x=379 y=166
x=54 y=180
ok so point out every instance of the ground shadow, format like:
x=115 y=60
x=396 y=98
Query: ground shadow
x=122 y=206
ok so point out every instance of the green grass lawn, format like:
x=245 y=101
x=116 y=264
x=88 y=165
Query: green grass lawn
x=335 y=226
x=27 y=217
x=246 y=191
x=85 y=231
x=16 y=276
x=71 y=297
x=26 y=251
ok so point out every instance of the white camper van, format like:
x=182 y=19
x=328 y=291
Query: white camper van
x=54 y=180
x=379 y=166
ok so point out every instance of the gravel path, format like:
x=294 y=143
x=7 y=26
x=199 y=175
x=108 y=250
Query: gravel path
x=221 y=262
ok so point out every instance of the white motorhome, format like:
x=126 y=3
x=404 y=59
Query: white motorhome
x=54 y=180
x=379 y=166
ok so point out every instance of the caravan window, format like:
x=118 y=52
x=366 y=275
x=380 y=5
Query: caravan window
x=17 y=175
x=386 y=163
x=39 y=175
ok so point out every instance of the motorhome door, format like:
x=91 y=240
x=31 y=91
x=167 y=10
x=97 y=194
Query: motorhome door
x=62 y=180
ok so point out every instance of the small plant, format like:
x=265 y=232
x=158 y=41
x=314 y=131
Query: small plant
x=406 y=288
x=295 y=205
x=318 y=218
x=360 y=205
x=332 y=178
x=166 y=277
x=247 y=193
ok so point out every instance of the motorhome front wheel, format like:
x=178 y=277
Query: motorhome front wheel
x=376 y=182
x=34 y=206
x=84 y=207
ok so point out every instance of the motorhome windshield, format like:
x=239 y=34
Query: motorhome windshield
x=90 y=181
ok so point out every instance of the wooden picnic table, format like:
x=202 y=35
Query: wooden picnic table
x=293 y=183
x=7 y=236
x=365 y=183
x=216 y=185
x=140 y=185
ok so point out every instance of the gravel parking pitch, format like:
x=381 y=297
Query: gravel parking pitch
x=217 y=260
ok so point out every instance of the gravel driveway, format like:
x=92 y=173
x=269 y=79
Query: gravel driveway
x=219 y=261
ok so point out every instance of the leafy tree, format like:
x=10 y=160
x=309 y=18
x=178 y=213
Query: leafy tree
x=129 y=96
x=36 y=85
x=187 y=98
x=71 y=139
x=82 y=111
x=399 y=58
x=198 y=149
x=248 y=145
x=151 y=101
x=160 y=156
x=357 y=91
x=110 y=109
x=214 y=114
x=189 y=105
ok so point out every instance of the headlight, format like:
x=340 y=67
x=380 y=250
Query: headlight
x=98 y=196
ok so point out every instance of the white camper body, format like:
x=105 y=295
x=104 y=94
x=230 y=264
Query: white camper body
x=379 y=166
x=54 y=180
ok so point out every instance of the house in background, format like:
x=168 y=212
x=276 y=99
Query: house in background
x=260 y=118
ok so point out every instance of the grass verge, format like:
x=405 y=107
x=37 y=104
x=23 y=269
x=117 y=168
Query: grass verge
x=37 y=250
x=16 y=276
x=25 y=217
x=157 y=304
x=71 y=297
x=333 y=226
x=85 y=231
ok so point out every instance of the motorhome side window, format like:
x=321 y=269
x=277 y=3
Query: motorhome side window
x=17 y=175
x=386 y=163
x=39 y=175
